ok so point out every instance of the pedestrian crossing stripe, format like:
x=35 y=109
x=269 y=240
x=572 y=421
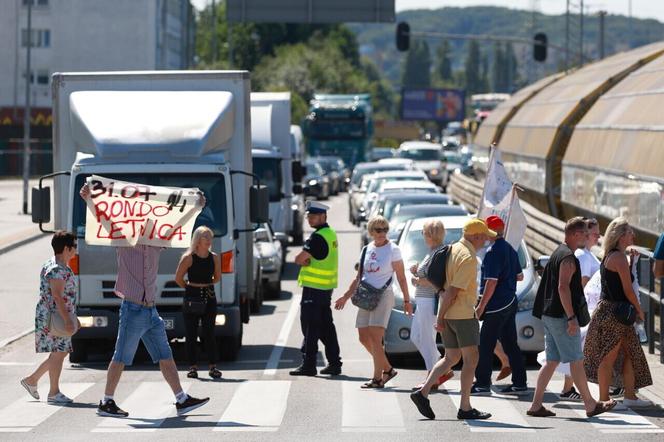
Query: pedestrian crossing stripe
x=261 y=405
x=26 y=413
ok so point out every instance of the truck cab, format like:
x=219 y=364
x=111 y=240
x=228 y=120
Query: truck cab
x=175 y=129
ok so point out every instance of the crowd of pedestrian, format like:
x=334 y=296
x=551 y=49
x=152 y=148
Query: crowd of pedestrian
x=589 y=310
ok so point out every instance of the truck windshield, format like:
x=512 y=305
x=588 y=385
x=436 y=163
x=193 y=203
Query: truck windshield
x=336 y=129
x=269 y=172
x=213 y=186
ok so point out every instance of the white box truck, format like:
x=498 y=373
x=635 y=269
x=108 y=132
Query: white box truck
x=297 y=155
x=168 y=128
x=273 y=158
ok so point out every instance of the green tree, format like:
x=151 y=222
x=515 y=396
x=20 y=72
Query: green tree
x=484 y=78
x=498 y=78
x=444 y=62
x=417 y=67
x=512 y=68
x=472 y=68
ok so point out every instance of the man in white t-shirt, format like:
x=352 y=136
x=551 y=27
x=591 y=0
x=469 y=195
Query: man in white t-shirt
x=589 y=263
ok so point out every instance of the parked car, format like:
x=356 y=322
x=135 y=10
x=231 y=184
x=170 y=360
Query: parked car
x=413 y=248
x=257 y=300
x=378 y=153
x=330 y=167
x=271 y=259
x=410 y=164
x=402 y=214
x=356 y=191
x=427 y=158
x=315 y=183
x=377 y=179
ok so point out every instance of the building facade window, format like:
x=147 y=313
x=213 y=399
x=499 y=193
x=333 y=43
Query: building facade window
x=35 y=2
x=42 y=76
x=41 y=38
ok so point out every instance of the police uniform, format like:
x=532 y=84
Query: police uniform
x=318 y=280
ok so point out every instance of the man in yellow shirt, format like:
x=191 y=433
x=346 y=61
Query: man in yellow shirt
x=459 y=328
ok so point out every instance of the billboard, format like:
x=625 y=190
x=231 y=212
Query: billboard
x=310 y=11
x=442 y=105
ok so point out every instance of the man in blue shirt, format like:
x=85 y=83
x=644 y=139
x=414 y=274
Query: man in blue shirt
x=658 y=267
x=500 y=272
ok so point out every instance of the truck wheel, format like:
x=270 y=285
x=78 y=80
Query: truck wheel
x=79 y=351
x=229 y=346
x=275 y=289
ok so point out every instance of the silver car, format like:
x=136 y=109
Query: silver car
x=530 y=331
x=271 y=259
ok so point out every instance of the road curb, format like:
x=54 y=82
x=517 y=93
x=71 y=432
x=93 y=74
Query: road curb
x=21 y=242
x=6 y=342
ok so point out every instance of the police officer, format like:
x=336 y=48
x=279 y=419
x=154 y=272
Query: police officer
x=318 y=278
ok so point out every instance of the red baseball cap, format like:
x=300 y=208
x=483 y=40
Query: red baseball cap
x=495 y=223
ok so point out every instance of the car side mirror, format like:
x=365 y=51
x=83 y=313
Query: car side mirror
x=259 y=203
x=297 y=171
x=297 y=189
x=281 y=237
x=540 y=263
x=41 y=205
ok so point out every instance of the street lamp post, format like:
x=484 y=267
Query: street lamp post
x=26 y=114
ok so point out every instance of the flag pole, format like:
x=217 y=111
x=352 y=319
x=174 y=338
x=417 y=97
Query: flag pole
x=480 y=206
x=509 y=213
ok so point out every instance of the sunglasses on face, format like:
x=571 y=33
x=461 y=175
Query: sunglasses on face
x=381 y=230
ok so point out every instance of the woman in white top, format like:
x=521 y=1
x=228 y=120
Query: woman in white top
x=381 y=261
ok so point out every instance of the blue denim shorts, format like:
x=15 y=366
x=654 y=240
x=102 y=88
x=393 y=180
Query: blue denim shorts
x=558 y=344
x=140 y=323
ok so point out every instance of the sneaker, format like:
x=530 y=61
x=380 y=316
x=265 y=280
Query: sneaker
x=617 y=392
x=637 y=403
x=571 y=395
x=513 y=389
x=423 y=405
x=110 y=409
x=32 y=389
x=472 y=414
x=190 y=404
x=479 y=391
x=303 y=371
x=59 y=399
x=333 y=370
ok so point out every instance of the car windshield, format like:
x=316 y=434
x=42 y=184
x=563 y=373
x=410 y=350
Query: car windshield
x=392 y=204
x=214 y=215
x=399 y=217
x=413 y=247
x=336 y=129
x=378 y=182
x=269 y=173
x=453 y=157
x=313 y=169
x=261 y=235
x=420 y=154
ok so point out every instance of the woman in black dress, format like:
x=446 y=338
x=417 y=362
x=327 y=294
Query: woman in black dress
x=203 y=270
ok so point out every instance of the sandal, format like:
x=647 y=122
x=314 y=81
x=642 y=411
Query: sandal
x=214 y=373
x=542 y=412
x=601 y=407
x=373 y=383
x=193 y=373
x=391 y=373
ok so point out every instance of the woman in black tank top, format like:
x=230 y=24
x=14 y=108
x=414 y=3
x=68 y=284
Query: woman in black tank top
x=612 y=352
x=203 y=270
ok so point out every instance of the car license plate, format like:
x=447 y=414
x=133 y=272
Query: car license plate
x=169 y=323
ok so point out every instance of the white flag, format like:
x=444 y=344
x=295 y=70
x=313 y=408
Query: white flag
x=499 y=199
x=497 y=188
x=516 y=223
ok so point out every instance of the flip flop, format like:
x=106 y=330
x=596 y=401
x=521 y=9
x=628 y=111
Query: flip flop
x=391 y=373
x=32 y=389
x=602 y=407
x=373 y=383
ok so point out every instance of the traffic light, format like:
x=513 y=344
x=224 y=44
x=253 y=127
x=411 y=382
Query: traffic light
x=403 y=36
x=539 y=47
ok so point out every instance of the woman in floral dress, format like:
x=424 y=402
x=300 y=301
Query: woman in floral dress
x=57 y=293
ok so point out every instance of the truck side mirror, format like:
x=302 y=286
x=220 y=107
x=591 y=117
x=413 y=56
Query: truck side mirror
x=259 y=201
x=297 y=189
x=297 y=172
x=41 y=205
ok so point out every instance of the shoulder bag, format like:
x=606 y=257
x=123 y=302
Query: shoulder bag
x=367 y=296
x=56 y=324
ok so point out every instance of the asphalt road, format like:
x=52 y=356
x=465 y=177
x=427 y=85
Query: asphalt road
x=257 y=399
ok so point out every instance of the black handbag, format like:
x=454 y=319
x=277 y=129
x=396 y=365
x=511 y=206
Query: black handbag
x=366 y=296
x=196 y=299
x=625 y=313
x=581 y=311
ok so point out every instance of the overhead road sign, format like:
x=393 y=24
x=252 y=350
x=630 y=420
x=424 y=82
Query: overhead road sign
x=311 y=11
x=442 y=105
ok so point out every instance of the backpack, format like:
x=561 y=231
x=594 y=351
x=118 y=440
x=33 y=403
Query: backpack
x=436 y=271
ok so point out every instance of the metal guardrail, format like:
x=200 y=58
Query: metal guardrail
x=543 y=235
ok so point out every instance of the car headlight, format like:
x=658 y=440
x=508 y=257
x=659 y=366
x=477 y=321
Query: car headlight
x=527 y=301
x=313 y=182
x=434 y=172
